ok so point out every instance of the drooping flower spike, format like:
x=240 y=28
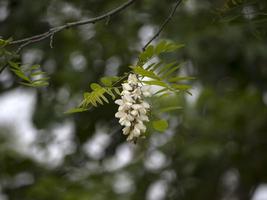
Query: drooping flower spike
x=132 y=111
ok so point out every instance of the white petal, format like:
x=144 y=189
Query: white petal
x=126 y=130
x=136 y=132
x=142 y=111
x=130 y=117
x=127 y=98
x=143 y=117
x=127 y=123
x=119 y=102
x=145 y=104
x=130 y=137
x=134 y=112
x=132 y=79
x=136 y=106
x=125 y=92
x=141 y=126
x=126 y=86
x=146 y=91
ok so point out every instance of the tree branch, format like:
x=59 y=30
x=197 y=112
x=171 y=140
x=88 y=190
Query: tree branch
x=50 y=33
x=167 y=20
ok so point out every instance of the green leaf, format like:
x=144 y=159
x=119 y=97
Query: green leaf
x=147 y=54
x=35 y=84
x=181 y=78
x=159 y=83
x=45 y=79
x=166 y=67
x=149 y=66
x=160 y=47
x=181 y=87
x=104 y=98
x=162 y=91
x=160 y=125
x=3 y=43
x=167 y=46
x=172 y=70
x=14 y=65
x=34 y=67
x=117 y=91
x=76 y=110
x=95 y=86
x=141 y=71
x=21 y=75
x=37 y=73
x=109 y=80
x=109 y=91
x=171 y=108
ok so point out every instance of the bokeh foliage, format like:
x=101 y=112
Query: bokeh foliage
x=217 y=136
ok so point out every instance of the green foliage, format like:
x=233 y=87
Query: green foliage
x=242 y=12
x=161 y=74
x=31 y=76
x=232 y=3
x=97 y=95
x=5 y=55
x=4 y=43
x=168 y=109
x=109 y=80
x=152 y=51
x=160 y=125
x=154 y=74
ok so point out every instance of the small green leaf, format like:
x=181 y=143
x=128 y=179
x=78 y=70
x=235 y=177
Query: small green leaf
x=160 y=47
x=117 y=91
x=147 y=54
x=45 y=79
x=37 y=73
x=104 y=98
x=181 y=78
x=141 y=71
x=162 y=91
x=35 y=84
x=168 y=109
x=76 y=110
x=14 y=65
x=158 y=83
x=34 y=67
x=109 y=91
x=168 y=73
x=149 y=66
x=180 y=87
x=21 y=75
x=95 y=86
x=160 y=125
x=109 y=80
x=3 y=43
x=166 y=67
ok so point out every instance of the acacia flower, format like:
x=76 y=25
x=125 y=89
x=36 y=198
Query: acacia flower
x=132 y=111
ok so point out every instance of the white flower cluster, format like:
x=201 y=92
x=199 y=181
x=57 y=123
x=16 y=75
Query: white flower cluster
x=133 y=108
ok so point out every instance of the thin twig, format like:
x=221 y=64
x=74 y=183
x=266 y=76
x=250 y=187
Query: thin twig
x=167 y=20
x=51 y=41
x=53 y=31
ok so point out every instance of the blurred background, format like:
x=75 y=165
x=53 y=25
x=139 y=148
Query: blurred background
x=215 y=147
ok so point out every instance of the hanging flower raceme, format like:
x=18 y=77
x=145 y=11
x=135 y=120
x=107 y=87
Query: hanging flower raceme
x=133 y=108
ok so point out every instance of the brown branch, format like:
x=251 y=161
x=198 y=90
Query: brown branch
x=50 y=33
x=167 y=20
